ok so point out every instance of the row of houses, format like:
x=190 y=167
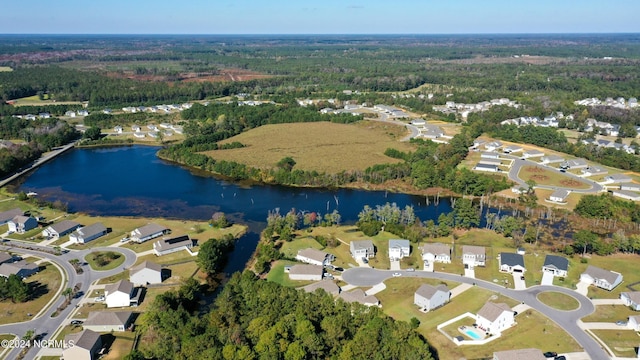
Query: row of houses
x=619 y=102
x=10 y=265
x=156 y=108
x=451 y=107
x=608 y=144
x=73 y=114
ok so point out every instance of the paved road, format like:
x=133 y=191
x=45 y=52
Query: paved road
x=519 y=163
x=567 y=320
x=45 y=324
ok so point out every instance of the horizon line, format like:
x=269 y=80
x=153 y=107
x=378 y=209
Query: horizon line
x=320 y=34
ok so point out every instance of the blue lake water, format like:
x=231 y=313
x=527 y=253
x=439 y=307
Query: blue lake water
x=132 y=181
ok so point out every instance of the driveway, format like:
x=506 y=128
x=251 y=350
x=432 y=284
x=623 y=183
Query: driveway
x=518 y=282
x=395 y=265
x=470 y=273
x=582 y=288
x=547 y=278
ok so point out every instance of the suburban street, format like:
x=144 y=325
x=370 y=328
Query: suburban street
x=43 y=323
x=518 y=163
x=567 y=320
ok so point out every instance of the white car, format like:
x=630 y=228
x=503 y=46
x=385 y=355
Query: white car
x=100 y=298
x=396 y=274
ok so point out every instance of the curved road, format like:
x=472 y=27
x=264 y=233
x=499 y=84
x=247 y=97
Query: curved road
x=45 y=324
x=567 y=320
x=518 y=163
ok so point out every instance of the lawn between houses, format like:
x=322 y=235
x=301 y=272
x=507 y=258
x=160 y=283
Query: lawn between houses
x=320 y=146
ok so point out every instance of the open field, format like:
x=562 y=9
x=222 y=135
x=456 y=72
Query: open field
x=43 y=285
x=610 y=313
x=323 y=147
x=622 y=342
x=104 y=260
x=5 y=68
x=35 y=101
x=558 y=300
x=277 y=275
x=543 y=176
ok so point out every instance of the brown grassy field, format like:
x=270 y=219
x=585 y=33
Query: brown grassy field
x=544 y=176
x=323 y=146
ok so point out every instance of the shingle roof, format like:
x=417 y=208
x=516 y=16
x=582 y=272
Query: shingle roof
x=7 y=269
x=85 y=339
x=109 y=318
x=313 y=254
x=633 y=296
x=597 y=273
x=150 y=229
x=124 y=286
x=358 y=295
x=145 y=265
x=91 y=230
x=398 y=243
x=362 y=244
x=5 y=257
x=558 y=262
x=427 y=291
x=435 y=248
x=64 y=226
x=475 y=250
x=327 y=285
x=306 y=270
x=165 y=244
x=491 y=311
x=10 y=214
x=511 y=259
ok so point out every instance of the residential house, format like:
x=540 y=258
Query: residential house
x=551 y=159
x=306 y=272
x=139 y=135
x=88 y=233
x=429 y=297
x=118 y=294
x=473 y=256
x=6 y=216
x=84 y=345
x=431 y=132
x=148 y=232
x=21 y=268
x=519 y=354
x=493 y=145
x=118 y=129
x=399 y=248
x=314 y=257
x=631 y=299
x=359 y=296
x=489 y=155
x=478 y=142
x=627 y=195
x=108 y=321
x=146 y=273
x=630 y=187
x=327 y=285
x=512 y=149
x=559 y=196
x=362 y=249
x=593 y=171
x=21 y=224
x=433 y=253
x=5 y=258
x=617 y=178
x=136 y=128
x=532 y=154
x=634 y=323
x=557 y=265
x=486 y=167
x=574 y=164
x=70 y=114
x=601 y=278
x=510 y=262
x=494 y=318
x=60 y=229
x=173 y=244
x=86 y=113
x=418 y=122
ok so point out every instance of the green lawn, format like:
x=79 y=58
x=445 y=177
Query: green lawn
x=626 y=264
x=622 y=342
x=290 y=249
x=121 y=346
x=610 y=313
x=277 y=275
x=68 y=329
x=558 y=300
x=114 y=278
x=110 y=263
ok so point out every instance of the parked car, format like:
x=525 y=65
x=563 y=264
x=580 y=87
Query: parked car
x=396 y=274
x=124 y=239
x=364 y=260
x=77 y=322
x=100 y=298
x=561 y=357
x=621 y=322
x=411 y=269
x=550 y=354
x=338 y=269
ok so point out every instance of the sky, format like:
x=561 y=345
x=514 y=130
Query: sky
x=318 y=16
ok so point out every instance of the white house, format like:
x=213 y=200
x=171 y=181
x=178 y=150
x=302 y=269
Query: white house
x=574 y=164
x=108 y=321
x=21 y=224
x=170 y=245
x=519 y=354
x=486 y=167
x=146 y=273
x=627 y=195
x=118 y=294
x=557 y=265
x=399 y=248
x=84 y=345
x=601 y=278
x=617 y=178
x=148 y=232
x=494 y=318
x=493 y=145
x=510 y=262
x=512 y=149
x=429 y=297
x=634 y=323
x=118 y=129
x=306 y=272
x=532 y=154
x=362 y=249
x=314 y=257
x=433 y=253
x=559 y=196
x=489 y=155
x=550 y=159
x=88 y=233
x=631 y=299
x=630 y=187
x=473 y=256
x=60 y=229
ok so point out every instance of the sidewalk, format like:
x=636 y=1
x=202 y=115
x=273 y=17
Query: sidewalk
x=460 y=289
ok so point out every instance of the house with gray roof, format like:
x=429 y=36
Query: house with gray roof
x=399 y=248
x=627 y=195
x=20 y=268
x=84 y=345
x=512 y=149
x=473 y=256
x=435 y=253
x=519 y=354
x=362 y=249
x=601 y=278
x=486 y=167
x=532 y=154
x=630 y=187
x=314 y=257
x=88 y=233
x=60 y=229
x=170 y=245
x=327 y=285
x=21 y=224
x=634 y=323
x=5 y=258
x=494 y=318
x=510 y=262
x=148 y=232
x=306 y=272
x=5 y=216
x=574 y=164
x=108 y=321
x=557 y=265
x=118 y=294
x=429 y=297
x=617 y=178
x=359 y=296
x=145 y=273
x=631 y=299
x=551 y=159
x=559 y=196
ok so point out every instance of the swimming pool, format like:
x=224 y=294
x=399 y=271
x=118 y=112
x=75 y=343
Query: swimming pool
x=472 y=334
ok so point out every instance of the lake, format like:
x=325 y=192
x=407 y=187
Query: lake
x=132 y=181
